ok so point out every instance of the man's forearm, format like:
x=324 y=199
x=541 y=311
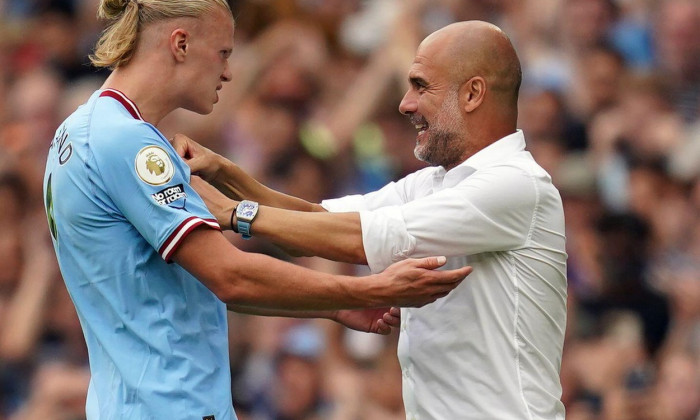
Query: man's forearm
x=252 y=310
x=256 y=280
x=238 y=185
x=334 y=236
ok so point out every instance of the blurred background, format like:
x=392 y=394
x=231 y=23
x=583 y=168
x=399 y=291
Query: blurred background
x=610 y=106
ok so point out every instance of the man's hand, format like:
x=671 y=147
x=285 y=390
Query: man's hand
x=218 y=204
x=202 y=161
x=416 y=282
x=375 y=320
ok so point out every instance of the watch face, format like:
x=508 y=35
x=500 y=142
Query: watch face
x=246 y=210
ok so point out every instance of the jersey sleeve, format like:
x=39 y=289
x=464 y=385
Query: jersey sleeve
x=149 y=185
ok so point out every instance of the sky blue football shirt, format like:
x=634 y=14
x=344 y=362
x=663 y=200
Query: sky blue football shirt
x=119 y=204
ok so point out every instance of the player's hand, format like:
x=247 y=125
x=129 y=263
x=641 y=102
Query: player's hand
x=373 y=320
x=202 y=161
x=415 y=282
x=218 y=204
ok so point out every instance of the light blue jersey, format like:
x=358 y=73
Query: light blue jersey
x=119 y=204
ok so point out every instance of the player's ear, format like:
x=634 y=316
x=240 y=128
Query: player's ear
x=179 y=39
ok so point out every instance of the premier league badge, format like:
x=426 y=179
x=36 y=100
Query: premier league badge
x=153 y=165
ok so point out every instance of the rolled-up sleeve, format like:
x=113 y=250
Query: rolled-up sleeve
x=383 y=228
x=386 y=237
x=489 y=211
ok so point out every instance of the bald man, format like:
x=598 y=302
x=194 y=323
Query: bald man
x=492 y=348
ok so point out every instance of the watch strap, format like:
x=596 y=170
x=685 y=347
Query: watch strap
x=243 y=228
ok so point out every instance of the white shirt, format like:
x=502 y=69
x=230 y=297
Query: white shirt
x=491 y=349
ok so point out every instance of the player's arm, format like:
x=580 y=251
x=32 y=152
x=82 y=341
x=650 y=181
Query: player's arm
x=335 y=236
x=255 y=280
x=231 y=180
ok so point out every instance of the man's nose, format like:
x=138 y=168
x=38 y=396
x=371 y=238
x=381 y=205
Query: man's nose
x=408 y=104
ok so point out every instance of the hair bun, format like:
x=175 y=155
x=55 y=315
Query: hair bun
x=112 y=9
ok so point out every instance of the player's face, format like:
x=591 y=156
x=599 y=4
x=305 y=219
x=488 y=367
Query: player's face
x=210 y=49
x=432 y=105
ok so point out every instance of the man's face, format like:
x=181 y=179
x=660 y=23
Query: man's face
x=432 y=105
x=210 y=47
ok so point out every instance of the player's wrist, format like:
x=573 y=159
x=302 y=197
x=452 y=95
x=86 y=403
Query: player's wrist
x=230 y=216
x=232 y=222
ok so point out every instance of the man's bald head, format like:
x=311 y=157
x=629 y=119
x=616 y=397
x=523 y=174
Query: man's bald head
x=463 y=92
x=475 y=48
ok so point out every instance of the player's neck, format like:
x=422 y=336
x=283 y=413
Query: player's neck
x=144 y=90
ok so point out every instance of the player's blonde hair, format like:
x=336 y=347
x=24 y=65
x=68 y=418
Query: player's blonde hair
x=127 y=17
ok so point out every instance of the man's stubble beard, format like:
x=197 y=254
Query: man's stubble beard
x=441 y=147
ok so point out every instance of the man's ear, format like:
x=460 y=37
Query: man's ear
x=473 y=92
x=179 y=40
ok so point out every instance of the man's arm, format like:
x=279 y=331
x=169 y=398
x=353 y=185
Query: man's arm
x=335 y=236
x=231 y=180
x=256 y=280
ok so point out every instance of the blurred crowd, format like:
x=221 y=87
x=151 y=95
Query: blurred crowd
x=610 y=107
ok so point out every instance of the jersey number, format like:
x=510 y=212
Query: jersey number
x=49 y=210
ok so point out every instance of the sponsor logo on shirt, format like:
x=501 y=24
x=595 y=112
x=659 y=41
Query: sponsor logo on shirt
x=208 y=418
x=153 y=165
x=170 y=194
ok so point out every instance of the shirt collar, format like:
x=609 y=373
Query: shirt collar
x=122 y=99
x=495 y=152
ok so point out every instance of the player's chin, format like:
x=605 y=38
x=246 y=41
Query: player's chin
x=203 y=109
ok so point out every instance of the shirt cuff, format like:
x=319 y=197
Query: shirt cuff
x=385 y=237
x=171 y=244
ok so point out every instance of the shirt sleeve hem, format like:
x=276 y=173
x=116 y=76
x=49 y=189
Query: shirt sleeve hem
x=385 y=238
x=171 y=244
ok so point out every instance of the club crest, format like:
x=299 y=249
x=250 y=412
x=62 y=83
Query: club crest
x=153 y=165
